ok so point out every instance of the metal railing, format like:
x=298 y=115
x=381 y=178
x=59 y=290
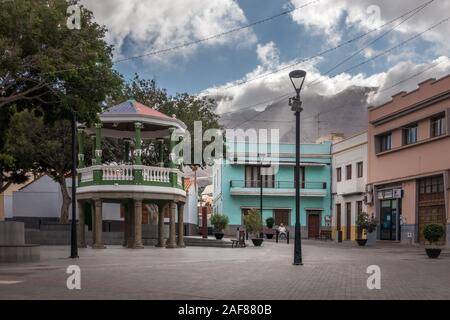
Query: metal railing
x=277 y=184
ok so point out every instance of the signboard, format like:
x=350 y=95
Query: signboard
x=390 y=194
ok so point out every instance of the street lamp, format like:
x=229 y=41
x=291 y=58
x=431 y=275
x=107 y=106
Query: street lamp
x=261 y=166
x=297 y=78
x=73 y=235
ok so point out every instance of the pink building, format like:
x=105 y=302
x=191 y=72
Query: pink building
x=409 y=162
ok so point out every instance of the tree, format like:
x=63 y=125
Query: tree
x=50 y=69
x=187 y=108
x=48 y=145
x=45 y=64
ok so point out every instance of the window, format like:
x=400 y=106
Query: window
x=348 y=172
x=410 y=135
x=358 y=208
x=339 y=174
x=253 y=178
x=385 y=141
x=431 y=185
x=359 y=169
x=438 y=127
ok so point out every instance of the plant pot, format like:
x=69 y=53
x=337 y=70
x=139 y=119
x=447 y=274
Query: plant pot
x=257 y=242
x=361 y=242
x=433 y=253
x=219 y=235
x=269 y=235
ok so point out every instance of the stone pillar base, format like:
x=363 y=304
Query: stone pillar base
x=159 y=245
x=137 y=246
x=98 y=246
x=171 y=246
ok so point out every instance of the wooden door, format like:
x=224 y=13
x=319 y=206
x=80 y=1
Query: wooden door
x=313 y=226
x=431 y=204
x=348 y=213
x=338 y=217
x=281 y=216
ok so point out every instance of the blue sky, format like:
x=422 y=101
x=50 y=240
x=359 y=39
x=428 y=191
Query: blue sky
x=142 y=26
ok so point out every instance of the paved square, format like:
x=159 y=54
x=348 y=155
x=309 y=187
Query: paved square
x=330 y=271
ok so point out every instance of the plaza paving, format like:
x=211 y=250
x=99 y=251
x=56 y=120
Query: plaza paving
x=330 y=271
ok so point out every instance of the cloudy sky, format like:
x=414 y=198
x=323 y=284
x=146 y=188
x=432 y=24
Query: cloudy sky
x=249 y=68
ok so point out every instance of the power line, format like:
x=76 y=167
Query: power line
x=419 y=9
x=362 y=63
x=199 y=41
x=322 y=52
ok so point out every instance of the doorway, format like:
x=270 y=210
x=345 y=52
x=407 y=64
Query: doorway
x=348 y=213
x=281 y=217
x=389 y=220
x=313 y=225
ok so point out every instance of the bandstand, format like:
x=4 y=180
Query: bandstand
x=128 y=181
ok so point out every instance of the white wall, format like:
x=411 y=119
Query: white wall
x=190 y=209
x=8 y=206
x=43 y=199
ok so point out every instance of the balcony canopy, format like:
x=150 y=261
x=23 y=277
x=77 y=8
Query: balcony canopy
x=119 y=121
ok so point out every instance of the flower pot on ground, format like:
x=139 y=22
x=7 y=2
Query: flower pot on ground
x=252 y=222
x=220 y=222
x=269 y=224
x=433 y=233
x=366 y=226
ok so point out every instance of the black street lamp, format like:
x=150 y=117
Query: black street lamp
x=261 y=166
x=297 y=78
x=73 y=235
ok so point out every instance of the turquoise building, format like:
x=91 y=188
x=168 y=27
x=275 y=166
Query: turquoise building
x=237 y=185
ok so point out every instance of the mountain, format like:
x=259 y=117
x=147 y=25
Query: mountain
x=344 y=113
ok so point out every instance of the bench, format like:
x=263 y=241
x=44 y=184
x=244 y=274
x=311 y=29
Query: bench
x=324 y=235
x=239 y=243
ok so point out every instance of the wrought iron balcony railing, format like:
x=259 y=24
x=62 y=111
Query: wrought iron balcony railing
x=317 y=185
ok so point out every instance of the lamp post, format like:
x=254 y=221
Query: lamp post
x=73 y=235
x=261 y=166
x=297 y=78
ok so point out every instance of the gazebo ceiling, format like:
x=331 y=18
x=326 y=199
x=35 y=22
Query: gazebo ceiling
x=119 y=121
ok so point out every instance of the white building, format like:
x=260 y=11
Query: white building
x=349 y=162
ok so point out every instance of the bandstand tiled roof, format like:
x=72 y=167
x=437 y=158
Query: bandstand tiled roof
x=134 y=107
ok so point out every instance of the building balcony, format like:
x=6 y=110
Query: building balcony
x=278 y=188
x=130 y=178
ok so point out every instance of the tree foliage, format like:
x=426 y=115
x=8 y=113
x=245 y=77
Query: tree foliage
x=53 y=71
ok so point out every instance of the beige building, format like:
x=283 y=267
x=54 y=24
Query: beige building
x=349 y=160
x=409 y=161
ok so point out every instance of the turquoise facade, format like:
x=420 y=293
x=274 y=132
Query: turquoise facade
x=232 y=194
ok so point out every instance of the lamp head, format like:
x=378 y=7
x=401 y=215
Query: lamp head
x=297 y=78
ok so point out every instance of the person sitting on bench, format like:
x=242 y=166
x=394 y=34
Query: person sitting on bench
x=282 y=231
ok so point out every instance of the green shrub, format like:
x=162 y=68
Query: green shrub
x=433 y=232
x=365 y=223
x=252 y=222
x=270 y=222
x=219 y=221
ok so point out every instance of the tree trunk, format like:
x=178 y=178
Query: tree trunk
x=64 y=218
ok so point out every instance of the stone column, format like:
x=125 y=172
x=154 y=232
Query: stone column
x=98 y=239
x=80 y=148
x=171 y=242
x=137 y=143
x=130 y=224
x=124 y=206
x=91 y=204
x=161 y=152
x=161 y=210
x=98 y=144
x=81 y=225
x=180 y=242
x=137 y=224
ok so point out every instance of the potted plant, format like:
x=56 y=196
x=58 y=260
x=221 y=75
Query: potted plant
x=365 y=225
x=269 y=224
x=220 y=222
x=433 y=233
x=252 y=222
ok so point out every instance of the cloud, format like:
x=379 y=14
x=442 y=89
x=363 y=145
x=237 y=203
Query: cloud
x=136 y=27
x=333 y=20
x=260 y=93
x=268 y=54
